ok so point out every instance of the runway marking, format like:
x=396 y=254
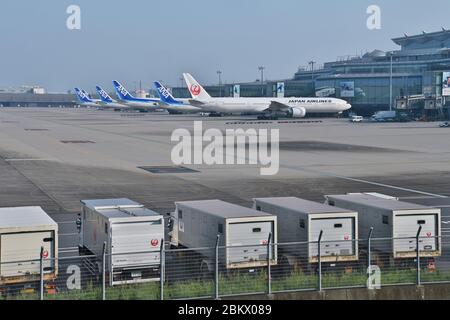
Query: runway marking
x=28 y=159
x=368 y=182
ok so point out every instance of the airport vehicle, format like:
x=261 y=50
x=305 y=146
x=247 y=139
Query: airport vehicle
x=173 y=105
x=301 y=220
x=85 y=100
x=355 y=119
x=128 y=99
x=107 y=102
x=267 y=108
x=132 y=234
x=444 y=125
x=391 y=218
x=24 y=232
x=197 y=224
x=384 y=116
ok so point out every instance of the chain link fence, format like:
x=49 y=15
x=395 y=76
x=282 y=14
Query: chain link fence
x=215 y=272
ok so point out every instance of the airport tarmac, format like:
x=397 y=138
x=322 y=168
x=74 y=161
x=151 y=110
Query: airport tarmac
x=56 y=157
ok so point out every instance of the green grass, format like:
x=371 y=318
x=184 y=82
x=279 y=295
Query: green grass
x=236 y=284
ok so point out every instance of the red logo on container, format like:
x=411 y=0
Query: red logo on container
x=195 y=89
x=346 y=237
x=154 y=242
x=428 y=234
x=45 y=254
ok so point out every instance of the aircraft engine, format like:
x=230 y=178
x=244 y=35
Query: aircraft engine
x=297 y=112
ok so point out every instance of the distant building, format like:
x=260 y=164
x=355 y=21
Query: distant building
x=37 y=100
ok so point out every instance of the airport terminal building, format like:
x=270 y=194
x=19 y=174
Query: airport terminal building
x=413 y=79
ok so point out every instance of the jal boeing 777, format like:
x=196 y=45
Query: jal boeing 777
x=268 y=108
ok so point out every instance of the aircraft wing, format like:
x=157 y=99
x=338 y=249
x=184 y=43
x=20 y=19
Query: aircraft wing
x=277 y=106
x=195 y=103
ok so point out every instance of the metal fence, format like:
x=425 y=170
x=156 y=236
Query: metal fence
x=215 y=272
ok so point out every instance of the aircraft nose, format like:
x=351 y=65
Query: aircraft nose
x=346 y=106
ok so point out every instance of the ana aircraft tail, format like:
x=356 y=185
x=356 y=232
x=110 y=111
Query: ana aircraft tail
x=82 y=95
x=122 y=93
x=103 y=94
x=196 y=90
x=165 y=94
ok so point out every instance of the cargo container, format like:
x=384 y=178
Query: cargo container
x=132 y=234
x=302 y=221
x=196 y=224
x=395 y=219
x=444 y=205
x=23 y=232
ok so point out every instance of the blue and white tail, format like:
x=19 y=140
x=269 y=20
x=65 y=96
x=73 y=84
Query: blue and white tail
x=82 y=95
x=103 y=94
x=122 y=93
x=165 y=94
x=195 y=88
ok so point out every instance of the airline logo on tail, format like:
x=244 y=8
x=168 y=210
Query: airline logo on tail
x=195 y=89
x=121 y=91
x=82 y=95
x=103 y=94
x=165 y=94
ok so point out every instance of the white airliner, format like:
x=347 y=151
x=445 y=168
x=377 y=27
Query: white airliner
x=128 y=99
x=268 y=108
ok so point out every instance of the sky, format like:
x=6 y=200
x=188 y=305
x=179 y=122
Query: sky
x=147 y=40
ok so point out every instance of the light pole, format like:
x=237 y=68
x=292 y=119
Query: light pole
x=219 y=73
x=311 y=63
x=390 y=84
x=261 y=69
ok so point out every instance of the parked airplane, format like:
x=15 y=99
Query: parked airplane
x=171 y=104
x=85 y=100
x=268 y=108
x=108 y=102
x=128 y=99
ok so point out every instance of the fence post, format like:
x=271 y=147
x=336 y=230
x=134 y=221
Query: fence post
x=369 y=257
x=319 y=262
x=162 y=258
x=41 y=274
x=269 y=276
x=216 y=269
x=418 y=255
x=104 y=271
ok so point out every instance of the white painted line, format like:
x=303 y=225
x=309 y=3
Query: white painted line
x=367 y=182
x=31 y=159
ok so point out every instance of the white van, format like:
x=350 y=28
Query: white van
x=356 y=119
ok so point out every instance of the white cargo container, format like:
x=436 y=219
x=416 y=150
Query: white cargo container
x=23 y=232
x=196 y=224
x=301 y=220
x=395 y=219
x=132 y=234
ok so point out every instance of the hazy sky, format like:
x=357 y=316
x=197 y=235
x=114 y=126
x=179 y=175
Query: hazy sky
x=158 y=40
